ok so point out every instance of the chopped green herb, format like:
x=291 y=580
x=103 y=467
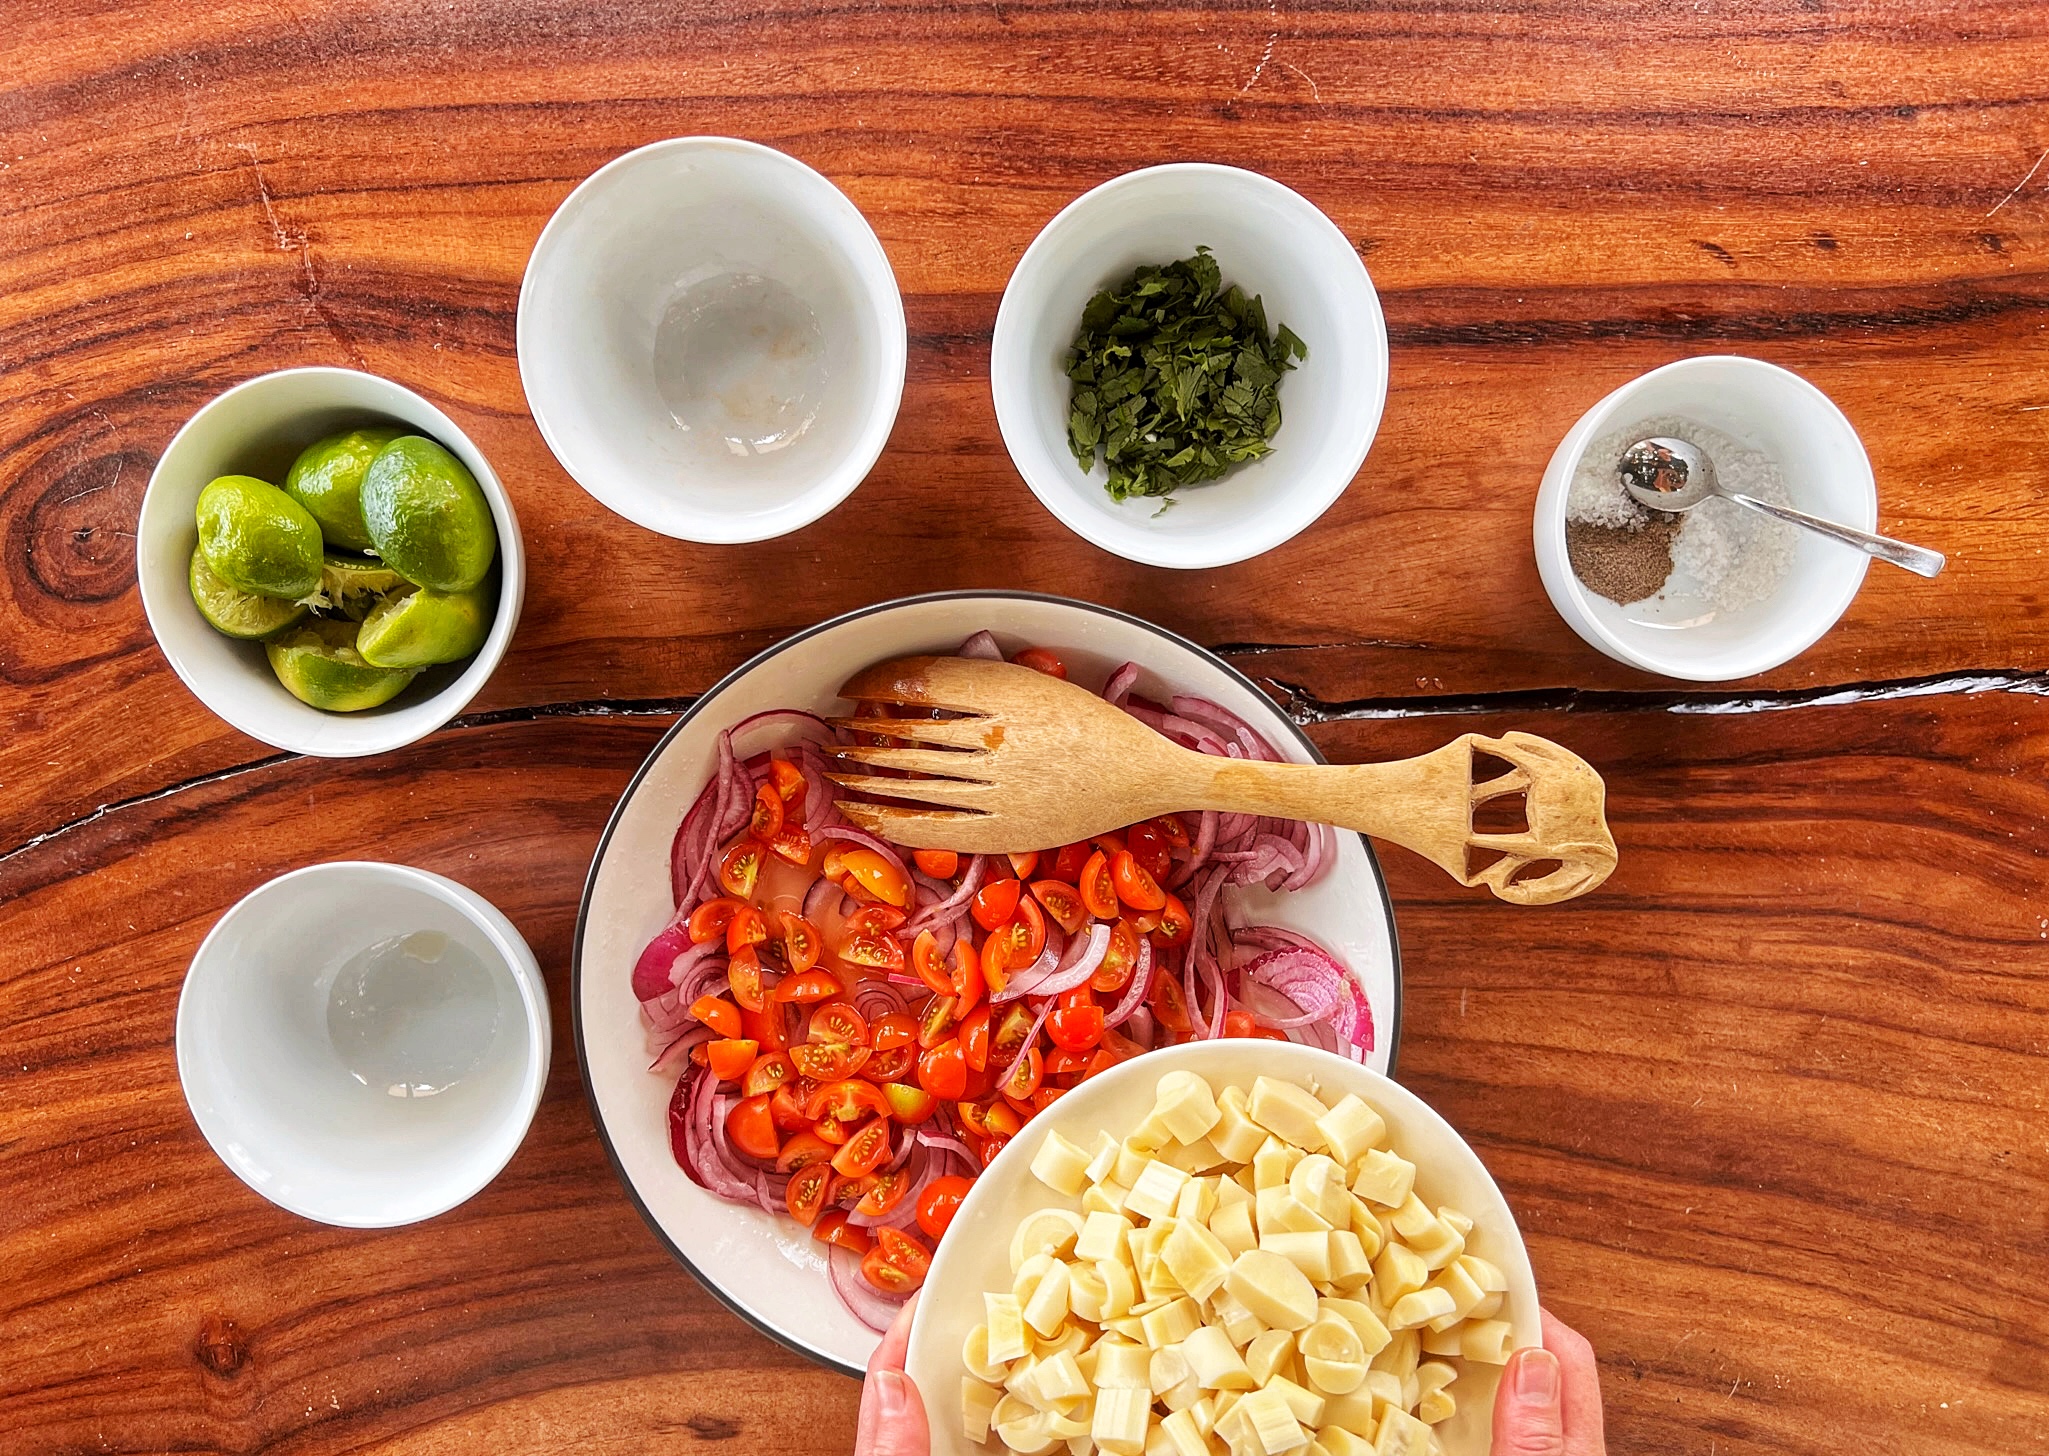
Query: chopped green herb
x=1175 y=379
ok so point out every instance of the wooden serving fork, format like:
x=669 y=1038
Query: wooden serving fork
x=1027 y=761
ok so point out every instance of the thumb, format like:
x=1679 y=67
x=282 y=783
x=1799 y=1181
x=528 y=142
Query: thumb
x=892 y=1417
x=1529 y=1418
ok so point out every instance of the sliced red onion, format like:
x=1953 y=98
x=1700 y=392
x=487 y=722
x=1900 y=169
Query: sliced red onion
x=956 y=905
x=1139 y=987
x=1118 y=688
x=1312 y=979
x=939 y=1142
x=1225 y=723
x=820 y=792
x=1074 y=966
x=1140 y=1028
x=796 y=718
x=873 y=998
x=690 y=851
x=874 y=1310
x=677 y=1052
x=1025 y=1047
x=819 y=898
x=982 y=645
x=651 y=973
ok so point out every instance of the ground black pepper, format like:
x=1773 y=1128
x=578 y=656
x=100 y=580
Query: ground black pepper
x=1625 y=564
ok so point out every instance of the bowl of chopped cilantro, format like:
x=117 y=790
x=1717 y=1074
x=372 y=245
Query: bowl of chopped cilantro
x=1189 y=365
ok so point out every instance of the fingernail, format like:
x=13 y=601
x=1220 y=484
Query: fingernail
x=893 y=1394
x=1536 y=1378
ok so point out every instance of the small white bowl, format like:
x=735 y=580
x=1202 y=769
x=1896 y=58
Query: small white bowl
x=1270 y=241
x=1826 y=472
x=258 y=428
x=622 y=251
x=975 y=1254
x=273 y=1097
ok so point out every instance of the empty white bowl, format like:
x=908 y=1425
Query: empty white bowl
x=1270 y=241
x=1826 y=472
x=975 y=1254
x=711 y=340
x=269 y=1084
x=258 y=428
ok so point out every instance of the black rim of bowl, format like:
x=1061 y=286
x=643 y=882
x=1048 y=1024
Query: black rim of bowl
x=706 y=701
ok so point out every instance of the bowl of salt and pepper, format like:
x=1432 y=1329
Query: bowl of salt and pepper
x=1710 y=520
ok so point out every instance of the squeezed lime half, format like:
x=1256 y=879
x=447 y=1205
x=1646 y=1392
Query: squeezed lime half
x=232 y=611
x=327 y=479
x=258 y=539
x=319 y=665
x=427 y=515
x=421 y=628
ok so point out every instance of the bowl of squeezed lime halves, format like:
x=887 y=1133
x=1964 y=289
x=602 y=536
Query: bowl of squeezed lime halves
x=329 y=562
x=1189 y=365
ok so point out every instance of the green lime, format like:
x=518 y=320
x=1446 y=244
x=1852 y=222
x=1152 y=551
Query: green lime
x=352 y=585
x=327 y=479
x=421 y=628
x=258 y=539
x=238 y=613
x=427 y=516
x=318 y=664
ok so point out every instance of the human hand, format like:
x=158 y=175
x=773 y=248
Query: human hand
x=892 y=1411
x=1549 y=1403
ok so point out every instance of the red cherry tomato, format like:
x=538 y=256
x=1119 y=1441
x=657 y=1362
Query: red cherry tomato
x=897 y=1264
x=930 y=965
x=974 y=1038
x=877 y=876
x=837 y=1021
x=943 y=1071
x=1170 y=1007
x=1119 y=960
x=721 y=1015
x=832 y=1228
x=793 y=844
x=968 y=981
x=874 y=948
x=897 y=1029
x=767 y=822
x=1172 y=830
x=810 y=986
x=1098 y=890
x=874 y=917
x=747 y=929
x=801 y=1151
x=936 y=1025
x=730 y=1057
x=769 y=1026
x=865 y=1151
x=1025 y=1077
x=1038 y=659
x=769 y=1072
x=1063 y=902
x=1135 y=887
x=1143 y=843
x=845 y=1101
x=743 y=977
x=740 y=866
x=884 y=1194
x=995 y=903
x=1069 y=860
x=909 y=1104
x=939 y=1203
x=788 y=780
x=708 y=921
x=891 y=1066
x=1022 y=865
x=940 y=864
x=1077 y=1028
x=827 y=1061
x=801 y=946
x=1175 y=926
x=752 y=1129
x=807 y=1190
x=786 y=1107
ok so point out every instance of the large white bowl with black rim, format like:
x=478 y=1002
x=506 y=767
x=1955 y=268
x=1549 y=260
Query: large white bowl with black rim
x=766 y=1268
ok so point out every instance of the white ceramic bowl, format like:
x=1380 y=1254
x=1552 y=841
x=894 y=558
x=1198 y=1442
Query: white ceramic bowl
x=975 y=1255
x=768 y=1269
x=258 y=428
x=1826 y=473
x=661 y=226
x=1269 y=240
x=276 y=1101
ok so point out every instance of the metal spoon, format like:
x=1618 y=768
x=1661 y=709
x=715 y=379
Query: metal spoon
x=1673 y=475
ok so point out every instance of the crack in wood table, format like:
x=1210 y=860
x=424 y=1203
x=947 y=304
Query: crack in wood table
x=1772 y=1105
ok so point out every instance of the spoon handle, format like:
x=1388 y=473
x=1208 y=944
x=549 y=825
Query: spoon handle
x=1917 y=559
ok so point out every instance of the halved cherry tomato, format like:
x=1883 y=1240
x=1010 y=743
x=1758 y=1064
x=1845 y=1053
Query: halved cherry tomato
x=1136 y=887
x=991 y=1147
x=708 y=921
x=980 y=1084
x=882 y=1198
x=833 y=866
x=806 y=1193
x=940 y=864
x=939 y=1202
x=1008 y=1034
x=1038 y=659
x=721 y=1015
x=1098 y=891
x=767 y=822
x=752 y=1129
x=996 y=902
x=1145 y=922
x=801 y=1151
x=974 y=1118
x=1170 y=828
x=1034 y=920
x=1174 y=926
x=1144 y=844
x=874 y=917
x=995 y=963
x=1026 y=1075
x=1079 y=996
x=968 y=981
x=1069 y=859
x=1062 y=902
x=1111 y=844
x=730 y=1057
x=890 y=1066
x=787 y=1105
x=897 y=1264
x=1002 y=1121
x=832 y=1228
x=1065 y=1063
x=897 y=1029
x=800 y=941
x=877 y=876
x=845 y=1101
x=747 y=928
x=1119 y=960
x=837 y=1021
x=810 y=986
x=793 y=844
x=770 y=1071
x=1077 y=1028
x=743 y=978
x=974 y=1038
x=846 y=1192
x=930 y=967
x=943 y=1071
x=1242 y=1024
x=833 y=1131
x=1045 y=1097
x=1170 y=1007
x=1022 y=865
x=827 y=1061
x=909 y=1104
x=740 y=866
x=788 y=780
x=865 y=1151
x=876 y=948
x=769 y=1026
x=936 y=1025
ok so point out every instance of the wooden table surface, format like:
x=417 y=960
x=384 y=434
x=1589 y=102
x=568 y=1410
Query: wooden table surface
x=1770 y=1106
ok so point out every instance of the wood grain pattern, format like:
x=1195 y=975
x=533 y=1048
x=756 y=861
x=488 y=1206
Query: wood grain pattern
x=1770 y=1103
